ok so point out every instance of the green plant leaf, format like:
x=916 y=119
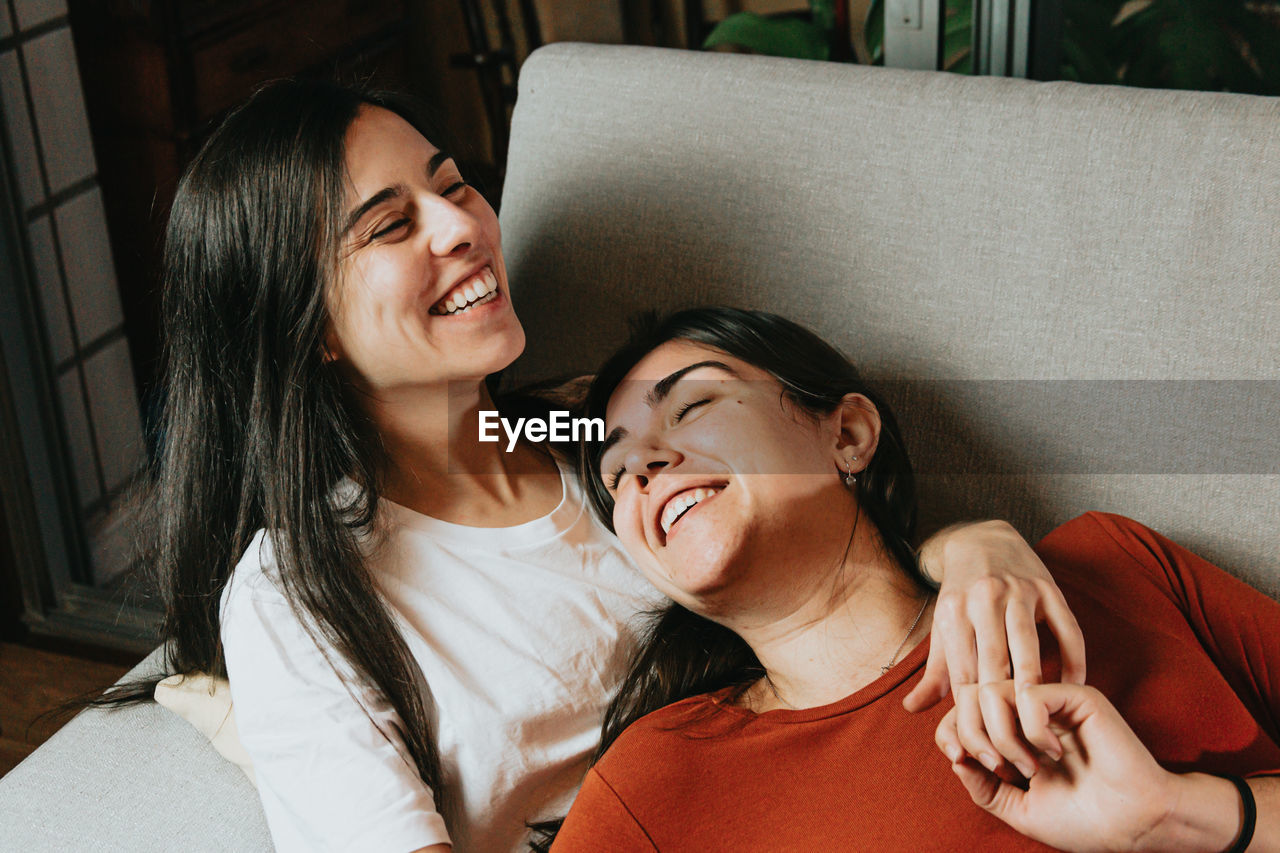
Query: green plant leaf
x=957 y=37
x=823 y=13
x=1088 y=41
x=1085 y=63
x=874 y=32
x=1186 y=44
x=775 y=37
x=959 y=17
x=962 y=64
x=1263 y=40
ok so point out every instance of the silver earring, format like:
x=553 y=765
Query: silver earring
x=850 y=479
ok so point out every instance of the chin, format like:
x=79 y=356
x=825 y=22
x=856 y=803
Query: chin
x=503 y=349
x=518 y=341
x=705 y=576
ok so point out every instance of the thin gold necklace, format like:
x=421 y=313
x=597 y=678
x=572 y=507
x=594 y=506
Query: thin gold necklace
x=884 y=670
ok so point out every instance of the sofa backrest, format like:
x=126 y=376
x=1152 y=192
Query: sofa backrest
x=1069 y=292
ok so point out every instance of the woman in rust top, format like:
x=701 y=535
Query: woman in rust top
x=758 y=483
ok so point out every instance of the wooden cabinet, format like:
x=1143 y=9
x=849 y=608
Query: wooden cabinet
x=158 y=76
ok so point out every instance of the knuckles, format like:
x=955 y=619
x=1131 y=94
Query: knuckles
x=996 y=691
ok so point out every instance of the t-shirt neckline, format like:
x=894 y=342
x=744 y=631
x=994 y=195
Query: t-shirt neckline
x=904 y=670
x=529 y=533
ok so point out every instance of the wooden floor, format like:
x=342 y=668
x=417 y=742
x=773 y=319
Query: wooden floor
x=32 y=682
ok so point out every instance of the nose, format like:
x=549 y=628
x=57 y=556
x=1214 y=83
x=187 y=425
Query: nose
x=451 y=228
x=645 y=463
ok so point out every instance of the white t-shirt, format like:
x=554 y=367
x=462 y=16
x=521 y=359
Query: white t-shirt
x=522 y=634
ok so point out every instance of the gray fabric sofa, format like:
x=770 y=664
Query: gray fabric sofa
x=1070 y=292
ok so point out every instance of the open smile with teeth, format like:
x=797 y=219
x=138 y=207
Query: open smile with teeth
x=476 y=290
x=682 y=503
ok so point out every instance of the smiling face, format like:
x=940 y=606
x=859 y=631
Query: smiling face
x=421 y=296
x=721 y=484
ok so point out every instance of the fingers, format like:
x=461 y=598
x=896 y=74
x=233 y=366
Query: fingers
x=1033 y=716
x=1024 y=643
x=986 y=611
x=982 y=785
x=999 y=798
x=953 y=632
x=933 y=686
x=1065 y=628
x=997 y=723
x=947 y=738
x=1069 y=704
x=971 y=730
x=1000 y=719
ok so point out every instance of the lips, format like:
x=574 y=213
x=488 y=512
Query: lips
x=477 y=288
x=680 y=502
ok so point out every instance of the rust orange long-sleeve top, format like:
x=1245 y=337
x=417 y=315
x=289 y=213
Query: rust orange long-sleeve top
x=1189 y=655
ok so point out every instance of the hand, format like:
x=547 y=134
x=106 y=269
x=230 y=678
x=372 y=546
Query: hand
x=1096 y=787
x=994 y=591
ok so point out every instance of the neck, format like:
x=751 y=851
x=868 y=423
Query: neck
x=437 y=465
x=832 y=643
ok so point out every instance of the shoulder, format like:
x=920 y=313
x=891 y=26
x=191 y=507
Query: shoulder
x=660 y=744
x=601 y=819
x=1122 y=553
x=260 y=629
x=254 y=578
x=1103 y=532
x=664 y=757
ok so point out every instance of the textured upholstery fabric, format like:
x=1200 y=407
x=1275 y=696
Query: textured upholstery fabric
x=137 y=780
x=980 y=242
x=940 y=228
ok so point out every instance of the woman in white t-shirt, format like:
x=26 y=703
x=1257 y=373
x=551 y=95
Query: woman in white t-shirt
x=421 y=648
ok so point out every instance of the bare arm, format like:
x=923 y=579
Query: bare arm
x=1209 y=812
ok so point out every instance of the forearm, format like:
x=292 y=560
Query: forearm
x=1206 y=814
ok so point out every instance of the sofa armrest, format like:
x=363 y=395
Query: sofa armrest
x=134 y=779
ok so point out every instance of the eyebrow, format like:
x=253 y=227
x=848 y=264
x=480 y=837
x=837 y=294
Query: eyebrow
x=659 y=392
x=437 y=160
x=663 y=386
x=395 y=191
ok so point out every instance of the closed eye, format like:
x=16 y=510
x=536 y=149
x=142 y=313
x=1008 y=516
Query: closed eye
x=615 y=478
x=687 y=407
x=455 y=187
x=390 y=229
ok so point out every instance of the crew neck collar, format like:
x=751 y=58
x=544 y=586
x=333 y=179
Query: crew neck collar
x=901 y=672
x=529 y=533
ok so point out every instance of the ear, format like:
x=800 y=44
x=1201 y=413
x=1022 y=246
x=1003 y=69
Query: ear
x=857 y=433
x=330 y=347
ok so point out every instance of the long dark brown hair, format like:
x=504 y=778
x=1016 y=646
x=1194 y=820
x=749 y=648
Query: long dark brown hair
x=682 y=654
x=257 y=428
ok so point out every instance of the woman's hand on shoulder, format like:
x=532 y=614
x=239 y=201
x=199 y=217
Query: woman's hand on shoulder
x=994 y=591
x=1092 y=785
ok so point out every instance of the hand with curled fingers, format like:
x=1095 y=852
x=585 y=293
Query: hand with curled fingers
x=994 y=591
x=1092 y=785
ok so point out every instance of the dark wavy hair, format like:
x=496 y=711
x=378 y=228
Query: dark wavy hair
x=257 y=428
x=682 y=654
